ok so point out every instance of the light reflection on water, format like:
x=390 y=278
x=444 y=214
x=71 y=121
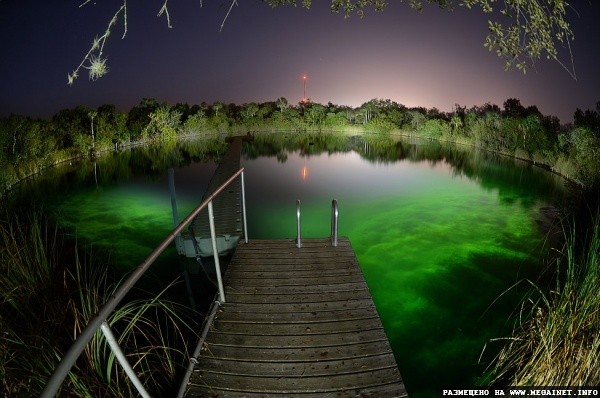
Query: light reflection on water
x=439 y=236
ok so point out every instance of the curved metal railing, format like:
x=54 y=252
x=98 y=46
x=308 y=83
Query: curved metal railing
x=99 y=321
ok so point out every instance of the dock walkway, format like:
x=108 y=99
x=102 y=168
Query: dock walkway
x=296 y=322
x=227 y=208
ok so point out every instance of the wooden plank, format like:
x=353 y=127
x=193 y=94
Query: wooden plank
x=299 y=317
x=277 y=329
x=294 y=280
x=281 y=346
x=297 y=369
x=296 y=322
x=297 y=354
x=236 y=297
x=292 y=274
x=297 y=289
x=297 y=384
x=383 y=391
x=297 y=307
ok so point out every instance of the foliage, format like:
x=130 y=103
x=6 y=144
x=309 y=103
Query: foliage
x=555 y=341
x=380 y=125
x=520 y=31
x=435 y=128
x=29 y=145
x=46 y=287
x=583 y=148
x=195 y=124
x=164 y=123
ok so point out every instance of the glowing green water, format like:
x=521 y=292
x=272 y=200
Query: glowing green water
x=436 y=249
x=439 y=233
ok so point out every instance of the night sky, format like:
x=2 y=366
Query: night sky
x=432 y=59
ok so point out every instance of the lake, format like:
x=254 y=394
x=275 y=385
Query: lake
x=440 y=231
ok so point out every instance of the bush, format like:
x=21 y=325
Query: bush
x=47 y=297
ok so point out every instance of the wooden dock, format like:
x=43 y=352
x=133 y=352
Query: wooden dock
x=226 y=206
x=296 y=322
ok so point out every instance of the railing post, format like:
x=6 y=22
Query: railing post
x=334 y=223
x=213 y=238
x=299 y=230
x=116 y=349
x=244 y=208
x=178 y=239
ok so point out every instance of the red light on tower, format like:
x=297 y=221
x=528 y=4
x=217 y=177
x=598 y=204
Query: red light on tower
x=304 y=78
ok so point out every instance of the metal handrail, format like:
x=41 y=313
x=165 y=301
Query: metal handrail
x=213 y=238
x=194 y=358
x=90 y=330
x=334 y=223
x=298 y=231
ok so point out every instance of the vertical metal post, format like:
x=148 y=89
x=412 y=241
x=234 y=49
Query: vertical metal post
x=334 y=223
x=178 y=240
x=114 y=346
x=299 y=229
x=193 y=359
x=171 y=175
x=213 y=238
x=244 y=208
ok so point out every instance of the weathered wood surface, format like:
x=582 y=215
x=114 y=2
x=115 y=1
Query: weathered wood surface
x=296 y=322
x=227 y=205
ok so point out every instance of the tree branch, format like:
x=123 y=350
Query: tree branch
x=233 y=2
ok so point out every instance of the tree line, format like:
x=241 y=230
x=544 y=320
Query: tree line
x=28 y=145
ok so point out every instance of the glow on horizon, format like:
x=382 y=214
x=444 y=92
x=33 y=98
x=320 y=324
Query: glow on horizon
x=428 y=59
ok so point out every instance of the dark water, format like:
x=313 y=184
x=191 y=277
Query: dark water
x=440 y=233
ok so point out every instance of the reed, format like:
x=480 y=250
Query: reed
x=48 y=294
x=556 y=337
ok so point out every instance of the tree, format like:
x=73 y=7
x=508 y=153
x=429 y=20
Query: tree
x=195 y=124
x=71 y=126
x=589 y=118
x=370 y=110
x=164 y=123
x=520 y=31
x=416 y=119
x=92 y=114
x=249 y=111
x=513 y=108
x=314 y=114
x=282 y=103
x=139 y=117
x=216 y=107
x=110 y=126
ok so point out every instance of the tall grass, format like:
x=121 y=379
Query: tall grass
x=556 y=339
x=47 y=296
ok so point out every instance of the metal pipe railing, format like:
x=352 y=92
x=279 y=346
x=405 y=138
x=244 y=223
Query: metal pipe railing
x=194 y=358
x=213 y=238
x=334 y=223
x=244 y=208
x=116 y=349
x=88 y=332
x=298 y=227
